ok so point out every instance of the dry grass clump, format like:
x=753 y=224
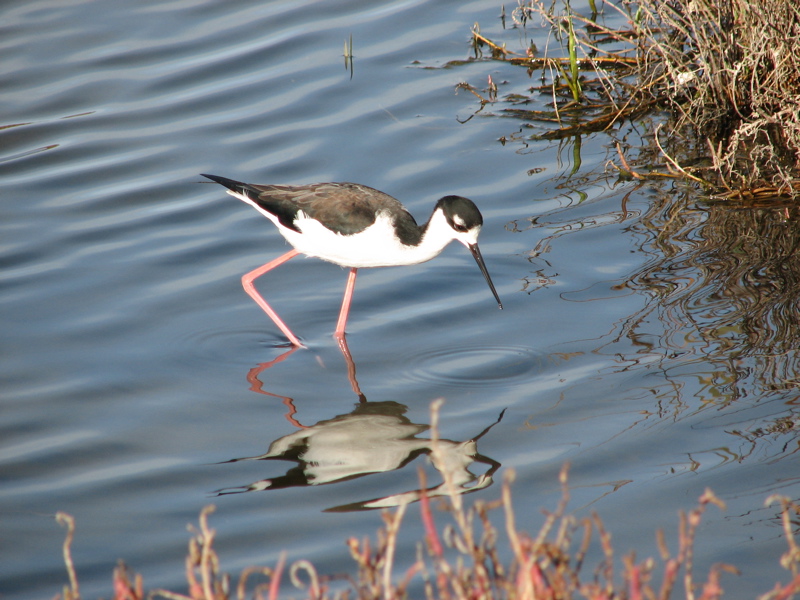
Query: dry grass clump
x=730 y=70
x=461 y=561
x=726 y=71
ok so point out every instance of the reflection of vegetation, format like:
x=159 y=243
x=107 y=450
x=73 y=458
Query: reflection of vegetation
x=726 y=73
x=462 y=563
x=724 y=284
x=734 y=277
x=782 y=432
x=750 y=282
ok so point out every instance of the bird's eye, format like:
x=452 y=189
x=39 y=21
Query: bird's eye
x=460 y=228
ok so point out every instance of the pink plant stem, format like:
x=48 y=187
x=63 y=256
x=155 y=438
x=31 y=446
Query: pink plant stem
x=427 y=518
x=635 y=584
x=275 y=580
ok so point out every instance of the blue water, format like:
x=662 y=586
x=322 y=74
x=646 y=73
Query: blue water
x=132 y=357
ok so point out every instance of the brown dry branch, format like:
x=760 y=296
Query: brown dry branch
x=791 y=559
x=478 y=41
x=602 y=62
x=73 y=591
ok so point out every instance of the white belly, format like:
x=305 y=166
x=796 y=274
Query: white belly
x=376 y=246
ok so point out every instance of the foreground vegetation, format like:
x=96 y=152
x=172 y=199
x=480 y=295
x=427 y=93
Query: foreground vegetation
x=461 y=561
x=725 y=76
x=549 y=565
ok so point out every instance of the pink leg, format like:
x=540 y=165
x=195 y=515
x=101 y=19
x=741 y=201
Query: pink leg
x=348 y=298
x=247 y=283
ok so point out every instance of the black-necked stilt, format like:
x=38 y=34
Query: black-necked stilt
x=354 y=226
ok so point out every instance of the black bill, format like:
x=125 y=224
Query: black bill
x=479 y=259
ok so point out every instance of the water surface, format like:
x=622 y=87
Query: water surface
x=638 y=340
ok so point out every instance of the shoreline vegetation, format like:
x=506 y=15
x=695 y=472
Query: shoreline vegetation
x=722 y=80
x=461 y=560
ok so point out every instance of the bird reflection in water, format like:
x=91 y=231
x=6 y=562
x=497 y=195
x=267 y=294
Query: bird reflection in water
x=375 y=437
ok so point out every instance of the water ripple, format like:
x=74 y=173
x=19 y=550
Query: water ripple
x=224 y=345
x=475 y=365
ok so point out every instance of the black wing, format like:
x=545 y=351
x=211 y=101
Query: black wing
x=344 y=208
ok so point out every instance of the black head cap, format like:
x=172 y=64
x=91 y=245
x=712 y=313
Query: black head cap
x=461 y=213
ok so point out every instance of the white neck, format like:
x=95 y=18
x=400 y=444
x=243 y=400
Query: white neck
x=437 y=234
